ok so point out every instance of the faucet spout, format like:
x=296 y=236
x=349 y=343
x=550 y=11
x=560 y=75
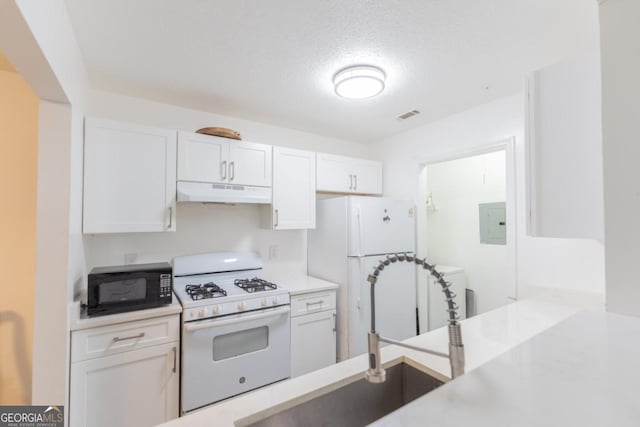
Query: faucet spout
x=376 y=373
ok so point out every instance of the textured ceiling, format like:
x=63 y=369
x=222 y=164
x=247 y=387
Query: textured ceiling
x=273 y=61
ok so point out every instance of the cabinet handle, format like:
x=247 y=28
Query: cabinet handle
x=315 y=302
x=170 y=216
x=175 y=358
x=334 y=322
x=355 y=182
x=275 y=221
x=350 y=182
x=118 y=339
x=223 y=170
x=232 y=171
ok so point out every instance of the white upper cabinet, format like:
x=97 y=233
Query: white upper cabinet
x=202 y=158
x=340 y=174
x=367 y=176
x=250 y=164
x=205 y=158
x=294 y=190
x=129 y=178
x=564 y=150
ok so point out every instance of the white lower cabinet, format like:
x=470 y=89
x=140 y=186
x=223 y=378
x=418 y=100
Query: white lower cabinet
x=313 y=332
x=139 y=387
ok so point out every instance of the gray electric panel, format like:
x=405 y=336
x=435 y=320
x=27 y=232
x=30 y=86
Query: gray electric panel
x=493 y=223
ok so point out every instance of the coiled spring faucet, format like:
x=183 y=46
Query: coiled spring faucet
x=376 y=373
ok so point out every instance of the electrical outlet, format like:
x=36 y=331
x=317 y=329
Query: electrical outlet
x=273 y=252
x=130 y=258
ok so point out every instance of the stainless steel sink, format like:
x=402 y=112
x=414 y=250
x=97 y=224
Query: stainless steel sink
x=356 y=404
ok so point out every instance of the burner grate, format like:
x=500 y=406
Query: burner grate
x=208 y=290
x=254 y=285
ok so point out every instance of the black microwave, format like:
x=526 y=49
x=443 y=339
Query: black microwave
x=117 y=289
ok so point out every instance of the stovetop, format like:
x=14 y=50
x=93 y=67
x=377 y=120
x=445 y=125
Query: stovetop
x=204 y=291
x=219 y=294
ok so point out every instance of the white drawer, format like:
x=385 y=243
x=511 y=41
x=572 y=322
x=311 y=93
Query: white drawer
x=112 y=339
x=313 y=302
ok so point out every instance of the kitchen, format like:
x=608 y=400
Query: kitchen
x=486 y=123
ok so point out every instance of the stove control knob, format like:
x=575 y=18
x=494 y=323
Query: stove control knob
x=242 y=305
x=216 y=309
x=201 y=313
x=264 y=302
x=275 y=300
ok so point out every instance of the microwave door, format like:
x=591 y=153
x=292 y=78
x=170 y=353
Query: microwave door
x=123 y=290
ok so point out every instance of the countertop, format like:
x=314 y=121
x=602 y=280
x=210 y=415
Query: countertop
x=583 y=372
x=78 y=318
x=298 y=284
x=485 y=337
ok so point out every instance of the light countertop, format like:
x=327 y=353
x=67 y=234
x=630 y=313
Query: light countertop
x=78 y=318
x=298 y=284
x=583 y=372
x=485 y=337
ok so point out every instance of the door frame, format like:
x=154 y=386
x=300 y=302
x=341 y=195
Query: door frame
x=509 y=146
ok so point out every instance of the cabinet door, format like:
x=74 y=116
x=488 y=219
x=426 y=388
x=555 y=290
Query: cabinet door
x=564 y=150
x=334 y=174
x=202 y=158
x=367 y=177
x=339 y=174
x=133 y=389
x=294 y=189
x=313 y=342
x=129 y=178
x=250 y=164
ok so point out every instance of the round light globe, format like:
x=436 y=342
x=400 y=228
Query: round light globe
x=362 y=81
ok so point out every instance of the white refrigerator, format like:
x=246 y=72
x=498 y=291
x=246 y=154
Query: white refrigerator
x=352 y=235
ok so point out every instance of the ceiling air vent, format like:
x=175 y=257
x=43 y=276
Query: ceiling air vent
x=408 y=115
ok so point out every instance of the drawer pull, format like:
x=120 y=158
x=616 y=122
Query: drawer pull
x=118 y=339
x=314 y=303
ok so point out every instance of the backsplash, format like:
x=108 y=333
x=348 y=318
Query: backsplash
x=204 y=228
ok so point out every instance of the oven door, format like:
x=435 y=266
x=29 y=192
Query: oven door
x=227 y=356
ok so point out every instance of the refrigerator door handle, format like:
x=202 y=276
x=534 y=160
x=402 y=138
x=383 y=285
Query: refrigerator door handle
x=360 y=232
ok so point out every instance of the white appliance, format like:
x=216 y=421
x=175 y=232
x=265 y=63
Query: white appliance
x=352 y=235
x=205 y=192
x=432 y=307
x=235 y=327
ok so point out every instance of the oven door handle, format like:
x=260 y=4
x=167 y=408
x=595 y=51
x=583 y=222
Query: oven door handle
x=215 y=323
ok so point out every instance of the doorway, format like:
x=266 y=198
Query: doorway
x=466 y=227
x=18 y=183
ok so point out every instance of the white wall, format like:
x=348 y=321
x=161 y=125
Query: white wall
x=620 y=52
x=51 y=336
x=557 y=263
x=202 y=228
x=136 y=110
x=457 y=188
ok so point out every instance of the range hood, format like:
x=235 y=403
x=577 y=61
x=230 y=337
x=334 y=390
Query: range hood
x=222 y=193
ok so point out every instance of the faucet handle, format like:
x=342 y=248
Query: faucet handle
x=375 y=374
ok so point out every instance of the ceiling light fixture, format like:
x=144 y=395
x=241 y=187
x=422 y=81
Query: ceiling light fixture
x=360 y=81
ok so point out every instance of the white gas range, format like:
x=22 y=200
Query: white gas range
x=235 y=328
